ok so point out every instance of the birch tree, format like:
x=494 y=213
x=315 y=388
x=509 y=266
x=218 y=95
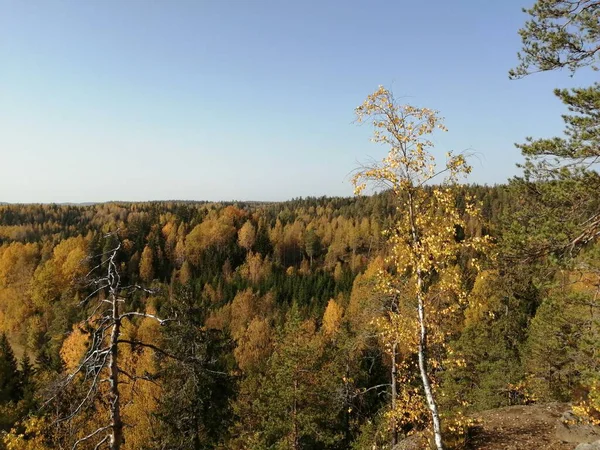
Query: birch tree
x=422 y=270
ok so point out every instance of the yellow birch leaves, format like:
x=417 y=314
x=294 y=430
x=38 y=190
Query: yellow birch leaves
x=429 y=235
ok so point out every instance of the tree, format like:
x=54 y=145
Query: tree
x=560 y=217
x=424 y=241
x=212 y=232
x=255 y=268
x=247 y=236
x=9 y=377
x=103 y=360
x=147 y=265
x=194 y=411
x=312 y=244
x=332 y=318
x=31 y=438
x=559 y=33
x=564 y=34
x=254 y=346
x=10 y=385
x=27 y=373
x=293 y=404
x=564 y=336
x=489 y=345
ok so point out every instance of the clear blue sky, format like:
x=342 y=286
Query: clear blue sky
x=248 y=100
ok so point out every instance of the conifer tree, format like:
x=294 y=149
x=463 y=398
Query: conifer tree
x=194 y=412
x=10 y=389
x=294 y=400
x=10 y=385
x=561 y=173
x=27 y=373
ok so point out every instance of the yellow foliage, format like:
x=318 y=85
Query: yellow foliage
x=70 y=259
x=67 y=266
x=332 y=318
x=365 y=300
x=219 y=319
x=304 y=267
x=484 y=298
x=422 y=267
x=211 y=232
x=17 y=265
x=168 y=229
x=244 y=307
x=338 y=271
x=247 y=235
x=589 y=409
x=139 y=397
x=255 y=345
x=255 y=268
x=583 y=281
x=185 y=274
x=74 y=347
x=31 y=439
x=147 y=265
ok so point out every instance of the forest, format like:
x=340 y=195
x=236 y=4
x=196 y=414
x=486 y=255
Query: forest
x=321 y=322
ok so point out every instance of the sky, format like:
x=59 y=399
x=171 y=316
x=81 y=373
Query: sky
x=250 y=100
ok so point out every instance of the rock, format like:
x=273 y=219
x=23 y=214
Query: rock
x=413 y=442
x=569 y=418
x=571 y=428
x=592 y=446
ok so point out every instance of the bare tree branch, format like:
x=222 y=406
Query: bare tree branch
x=103 y=356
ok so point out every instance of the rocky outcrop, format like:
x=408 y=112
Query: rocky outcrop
x=571 y=428
x=592 y=446
x=413 y=442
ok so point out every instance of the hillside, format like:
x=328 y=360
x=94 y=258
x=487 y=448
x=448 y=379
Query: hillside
x=279 y=303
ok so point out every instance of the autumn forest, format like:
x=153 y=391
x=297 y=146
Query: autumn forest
x=361 y=322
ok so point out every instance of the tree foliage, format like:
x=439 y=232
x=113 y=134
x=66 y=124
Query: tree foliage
x=564 y=33
x=425 y=243
x=560 y=33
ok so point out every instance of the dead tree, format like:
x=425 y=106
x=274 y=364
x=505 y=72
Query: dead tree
x=101 y=364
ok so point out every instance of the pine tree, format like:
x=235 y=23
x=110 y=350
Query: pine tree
x=559 y=172
x=10 y=386
x=292 y=405
x=27 y=380
x=194 y=410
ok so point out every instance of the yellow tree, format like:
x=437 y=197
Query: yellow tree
x=247 y=236
x=423 y=273
x=332 y=318
x=147 y=265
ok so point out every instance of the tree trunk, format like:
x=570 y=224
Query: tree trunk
x=296 y=439
x=394 y=376
x=116 y=423
x=431 y=404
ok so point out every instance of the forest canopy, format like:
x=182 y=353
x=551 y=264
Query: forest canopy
x=320 y=323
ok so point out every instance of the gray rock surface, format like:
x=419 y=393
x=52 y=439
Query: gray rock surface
x=592 y=446
x=413 y=442
x=570 y=428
